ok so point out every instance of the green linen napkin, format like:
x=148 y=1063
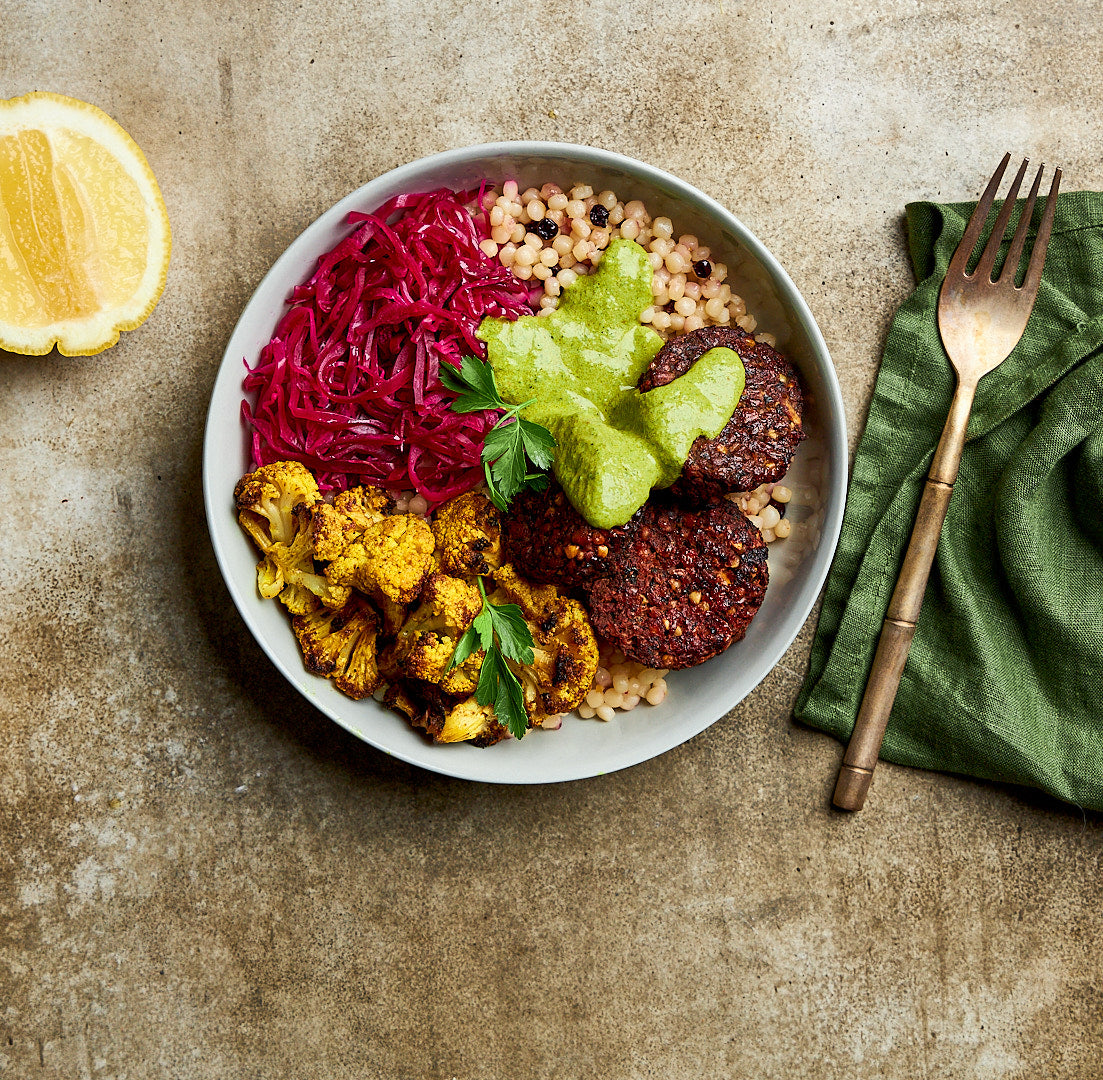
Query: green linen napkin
x=1006 y=669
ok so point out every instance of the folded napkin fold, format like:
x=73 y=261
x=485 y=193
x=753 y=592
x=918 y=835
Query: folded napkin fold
x=1006 y=668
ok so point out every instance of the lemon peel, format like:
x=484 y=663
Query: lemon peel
x=84 y=233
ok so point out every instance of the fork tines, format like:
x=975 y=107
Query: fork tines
x=976 y=223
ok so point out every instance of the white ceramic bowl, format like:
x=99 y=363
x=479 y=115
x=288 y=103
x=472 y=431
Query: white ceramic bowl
x=698 y=696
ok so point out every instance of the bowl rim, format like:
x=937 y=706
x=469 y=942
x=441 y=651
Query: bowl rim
x=834 y=436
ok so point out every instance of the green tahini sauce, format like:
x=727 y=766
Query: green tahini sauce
x=581 y=365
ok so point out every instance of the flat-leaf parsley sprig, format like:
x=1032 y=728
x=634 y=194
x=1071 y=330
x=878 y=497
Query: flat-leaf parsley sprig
x=512 y=443
x=501 y=632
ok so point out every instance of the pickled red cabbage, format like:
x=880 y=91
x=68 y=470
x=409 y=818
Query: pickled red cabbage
x=348 y=384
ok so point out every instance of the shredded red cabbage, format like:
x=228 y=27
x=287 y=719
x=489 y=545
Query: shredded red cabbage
x=348 y=384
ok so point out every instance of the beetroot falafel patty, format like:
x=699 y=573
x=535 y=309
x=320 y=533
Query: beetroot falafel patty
x=686 y=585
x=757 y=444
x=549 y=541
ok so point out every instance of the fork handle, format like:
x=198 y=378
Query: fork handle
x=894 y=644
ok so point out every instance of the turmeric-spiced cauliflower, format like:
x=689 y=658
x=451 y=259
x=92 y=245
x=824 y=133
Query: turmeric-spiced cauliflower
x=366 y=547
x=445 y=718
x=423 y=647
x=442 y=702
x=380 y=598
x=341 y=645
x=468 y=532
x=274 y=507
x=565 y=652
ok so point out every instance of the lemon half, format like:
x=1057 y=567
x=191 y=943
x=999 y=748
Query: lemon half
x=84 y=234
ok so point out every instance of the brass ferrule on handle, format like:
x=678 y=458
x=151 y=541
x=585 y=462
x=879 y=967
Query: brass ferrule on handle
x=894 y=644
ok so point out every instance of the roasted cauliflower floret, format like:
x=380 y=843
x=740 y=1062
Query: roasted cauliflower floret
x=275 y=508
x=565 y=652
x=266 y=498
x=392 y=555
x=341 y=645
x=353 y=512
x=444 y=718
x=394 y=614
x=468 y=721
x=468 y=532
x=425 y=642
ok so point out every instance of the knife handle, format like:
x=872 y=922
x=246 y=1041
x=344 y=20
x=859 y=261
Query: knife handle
x=894 y=644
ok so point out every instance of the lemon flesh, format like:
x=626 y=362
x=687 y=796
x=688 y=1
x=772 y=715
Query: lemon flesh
x=84 y=234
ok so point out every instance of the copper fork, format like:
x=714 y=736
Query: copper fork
x=981 y=321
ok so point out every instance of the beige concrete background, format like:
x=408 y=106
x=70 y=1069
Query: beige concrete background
x=200 y=876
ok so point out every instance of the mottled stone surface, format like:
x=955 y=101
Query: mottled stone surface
x=201 y=876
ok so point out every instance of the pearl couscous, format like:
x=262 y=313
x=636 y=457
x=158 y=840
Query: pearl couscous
x=551 y=236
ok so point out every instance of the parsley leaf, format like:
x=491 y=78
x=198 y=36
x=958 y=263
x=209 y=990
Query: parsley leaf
x=479 y=635
x=474 y=382
x=514 y=636
x=512 y=443
x=504 y=458
x=497 y=685
x=539 y=443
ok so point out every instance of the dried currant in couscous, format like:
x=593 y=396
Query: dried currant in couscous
x=545 y=228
